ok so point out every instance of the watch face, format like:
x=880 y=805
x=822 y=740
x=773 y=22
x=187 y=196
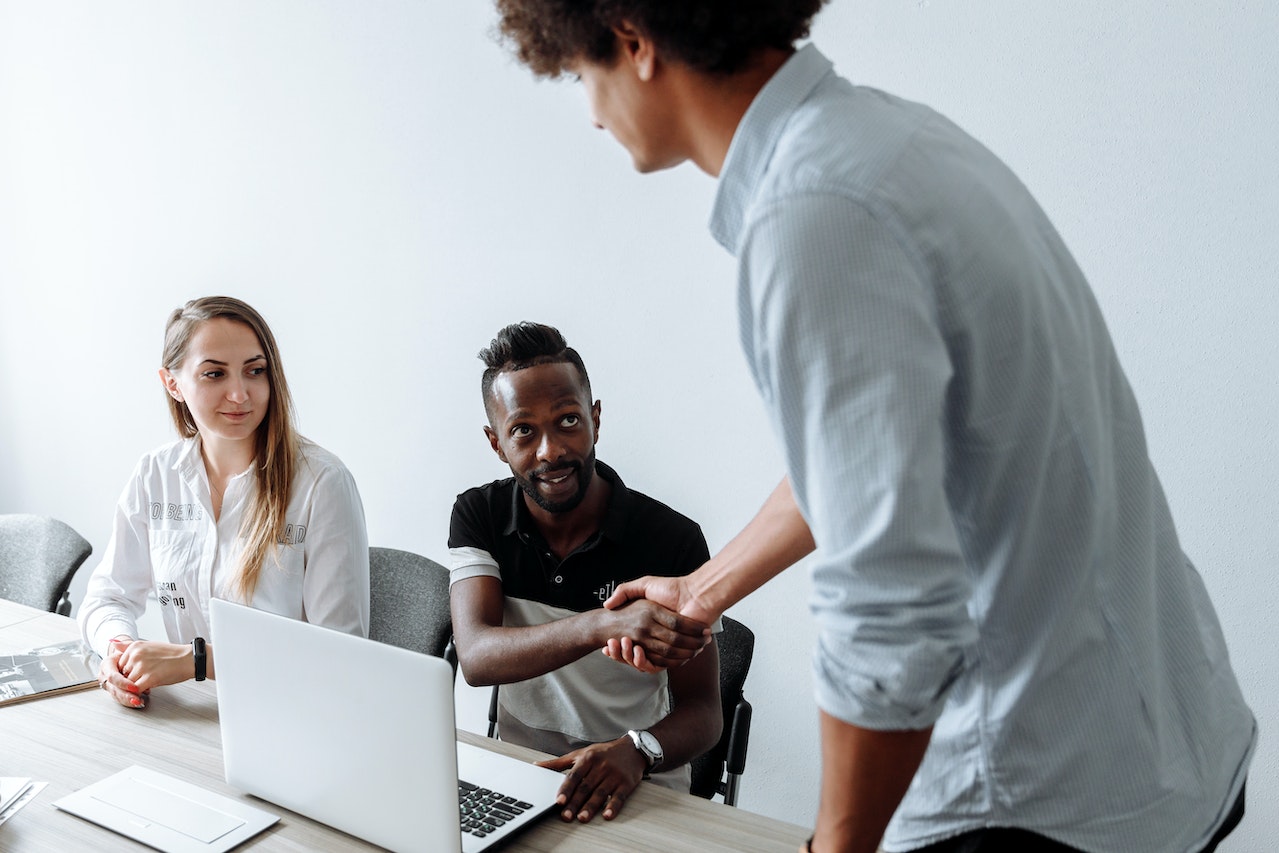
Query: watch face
x=650 y=743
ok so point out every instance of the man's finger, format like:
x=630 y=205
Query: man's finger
x=628 y=591
x=593 y=806
x=613 y=805
x=562 y=763
x=639 y=660
x=613 y=648
x=584 y=786
x=680 y=624
x=690 y=644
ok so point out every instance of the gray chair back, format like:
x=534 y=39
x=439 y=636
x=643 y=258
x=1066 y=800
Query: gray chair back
x=409 y=603
x=38 y=557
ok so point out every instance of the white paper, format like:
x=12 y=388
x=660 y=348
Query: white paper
x=25 y=797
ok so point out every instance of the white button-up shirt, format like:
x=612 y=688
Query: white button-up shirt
x=164 y=540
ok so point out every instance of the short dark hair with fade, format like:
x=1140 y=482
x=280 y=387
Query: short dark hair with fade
x=712 y=36
x=522 y=345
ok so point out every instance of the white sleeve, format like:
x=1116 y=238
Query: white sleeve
x=469 y=562
x=117 y=591
x=335 y=588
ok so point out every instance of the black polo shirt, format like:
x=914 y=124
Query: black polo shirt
x=592 y=699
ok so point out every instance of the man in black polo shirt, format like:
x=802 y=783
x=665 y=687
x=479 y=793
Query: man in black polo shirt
x=534 y=556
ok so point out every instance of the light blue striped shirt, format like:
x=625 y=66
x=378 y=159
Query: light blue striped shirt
x=996 y=557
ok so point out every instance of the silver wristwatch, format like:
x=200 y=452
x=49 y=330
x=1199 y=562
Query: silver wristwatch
x=648 y=745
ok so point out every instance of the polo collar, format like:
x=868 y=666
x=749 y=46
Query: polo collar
x=615 y=515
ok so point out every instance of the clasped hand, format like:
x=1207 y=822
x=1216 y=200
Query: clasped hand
x=132 y=667
x=668 y=603
x=653 y=634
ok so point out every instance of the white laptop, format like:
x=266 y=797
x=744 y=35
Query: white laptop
x=360 y=735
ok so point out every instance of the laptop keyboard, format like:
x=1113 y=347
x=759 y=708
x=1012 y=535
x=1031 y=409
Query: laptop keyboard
x=485 y=811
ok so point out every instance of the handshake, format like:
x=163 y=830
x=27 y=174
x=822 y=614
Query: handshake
x=658 y=623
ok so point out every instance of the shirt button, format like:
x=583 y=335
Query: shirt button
x=559 y=579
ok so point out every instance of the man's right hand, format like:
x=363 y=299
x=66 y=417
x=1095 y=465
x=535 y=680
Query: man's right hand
x=667 y=638
x=775 y=539
x=673 y=595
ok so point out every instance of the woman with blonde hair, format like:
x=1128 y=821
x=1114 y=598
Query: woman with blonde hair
x=240 y=507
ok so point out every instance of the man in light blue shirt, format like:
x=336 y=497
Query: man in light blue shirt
x=1014 y=652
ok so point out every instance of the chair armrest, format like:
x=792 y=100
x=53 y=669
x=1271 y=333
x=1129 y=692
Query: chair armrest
x=493 y=711
x=739 y=738
x=450 y=655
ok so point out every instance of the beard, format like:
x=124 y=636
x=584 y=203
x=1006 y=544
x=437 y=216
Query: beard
x=582 y=473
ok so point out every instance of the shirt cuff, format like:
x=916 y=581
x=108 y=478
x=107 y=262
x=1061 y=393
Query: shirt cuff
x=884 y=688
x=108 y=628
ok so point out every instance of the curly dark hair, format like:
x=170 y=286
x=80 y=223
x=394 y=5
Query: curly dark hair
x=522 y=345
x=713 y=36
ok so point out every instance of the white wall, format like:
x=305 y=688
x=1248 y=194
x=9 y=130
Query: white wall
x=389 y=189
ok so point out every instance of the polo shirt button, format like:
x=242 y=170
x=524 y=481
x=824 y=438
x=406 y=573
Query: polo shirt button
x=559 y=579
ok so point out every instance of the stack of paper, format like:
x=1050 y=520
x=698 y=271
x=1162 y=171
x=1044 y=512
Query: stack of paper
x=16 y=792
x=11 y=787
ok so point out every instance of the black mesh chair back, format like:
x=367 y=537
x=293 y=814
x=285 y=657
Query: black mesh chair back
x=38 y=557
x=409 y=603
x=719 y=770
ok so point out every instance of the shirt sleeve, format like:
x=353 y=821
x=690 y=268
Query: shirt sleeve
x=470 y=555
x=335 y=588
x=117 y=591
x=842 y=333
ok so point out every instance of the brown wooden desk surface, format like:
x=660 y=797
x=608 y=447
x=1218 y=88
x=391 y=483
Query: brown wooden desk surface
x=75 y=739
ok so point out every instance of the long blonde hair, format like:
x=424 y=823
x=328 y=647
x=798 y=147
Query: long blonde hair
x=263 y=524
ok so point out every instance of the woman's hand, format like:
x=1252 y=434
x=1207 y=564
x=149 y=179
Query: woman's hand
x=149 y=664
x=113 y=680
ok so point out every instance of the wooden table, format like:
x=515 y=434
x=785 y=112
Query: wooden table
x=75 y=739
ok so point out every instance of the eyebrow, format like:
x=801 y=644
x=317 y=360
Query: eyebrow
x=217 y=363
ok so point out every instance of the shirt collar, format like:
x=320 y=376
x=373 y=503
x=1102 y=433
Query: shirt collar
x=619 y=501
x=190 y=464
x=755 y=138
x=189 y=457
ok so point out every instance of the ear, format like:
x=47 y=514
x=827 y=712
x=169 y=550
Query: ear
x=170 y=383
x=595 y=418
x=636 y=49
x=495 y=444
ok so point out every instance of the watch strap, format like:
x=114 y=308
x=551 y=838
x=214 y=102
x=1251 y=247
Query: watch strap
x=200 y=656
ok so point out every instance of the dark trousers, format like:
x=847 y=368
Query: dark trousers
x=1004 y=840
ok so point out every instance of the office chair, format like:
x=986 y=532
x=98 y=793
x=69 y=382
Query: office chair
x=719 y=770
x=736 y=648
x=409 y=603
x=38 y=557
